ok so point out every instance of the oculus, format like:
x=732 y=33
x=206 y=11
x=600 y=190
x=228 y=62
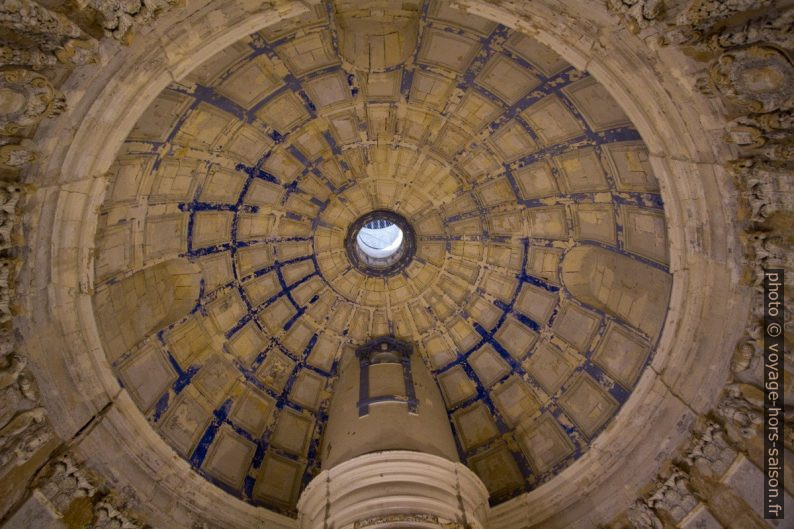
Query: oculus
x=380 y=243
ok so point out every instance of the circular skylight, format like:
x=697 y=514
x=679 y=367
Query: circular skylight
x=380 y=243
x=380 y=238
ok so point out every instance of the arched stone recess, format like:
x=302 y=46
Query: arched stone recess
x=130 y=309
x=628 y=289
x=104 y=102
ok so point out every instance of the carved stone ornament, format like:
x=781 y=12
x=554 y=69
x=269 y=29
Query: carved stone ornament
x=119 y=16
x=42 y=37
x=107 y=516
x=15 y=156
x=26 y=98
x=10 y=195
x=13 y=56
x=711 y=454
x=775 y=28
x=402 y=519
x=701 y=15
x=673 y=496
x=741 y=411
x=27 y=16
x=641 y=516
x=24 y=434
x=637 y=14
x=759 y=78
x=63 y=482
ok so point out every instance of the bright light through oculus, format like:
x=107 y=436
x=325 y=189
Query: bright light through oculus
x=380 y=243
x=379 y=238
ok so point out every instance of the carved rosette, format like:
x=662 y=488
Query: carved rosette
x=26 y=98
x=759 y=78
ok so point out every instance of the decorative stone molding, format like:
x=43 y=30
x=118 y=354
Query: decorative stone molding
x=205 y=525
x=637 y=14
x=63 y=482
x=711 y=455
x=775 y=28
x=10 y=197
x=383 y=489
x=402 y=520
x=25 y=433
x=118 y=17
x=673 y=496
x=108 y=516
x=15 y=156
x=42 y=37
x=758 y=78
x=705 y=469
x=64 y=490
x=642 y=516
x=692 y=22
x=27 y=15
x=20 y=153
x=37 y=42
x=23 y=422
x=696 y=487
x=742 y=409
x=28 y=97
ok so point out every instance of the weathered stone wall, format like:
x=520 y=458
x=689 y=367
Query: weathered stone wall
x=41 y=485
x=742 y=64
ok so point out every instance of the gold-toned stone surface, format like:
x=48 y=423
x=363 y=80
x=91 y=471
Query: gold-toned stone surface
x=508 y=164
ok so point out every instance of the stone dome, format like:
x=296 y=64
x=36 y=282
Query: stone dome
x=540 y=280
x=588 y=194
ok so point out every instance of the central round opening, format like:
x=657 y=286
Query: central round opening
x=380 y=243
x=380 y=238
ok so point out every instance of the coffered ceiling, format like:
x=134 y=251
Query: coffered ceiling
x=540 y=283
